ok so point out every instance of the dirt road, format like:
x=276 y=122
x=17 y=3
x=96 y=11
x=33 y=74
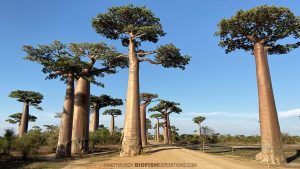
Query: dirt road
x=168 y=157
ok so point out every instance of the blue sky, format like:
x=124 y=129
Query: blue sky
x=219 y=86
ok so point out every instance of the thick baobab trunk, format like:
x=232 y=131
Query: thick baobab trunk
x=166 y=133
x=157 y=131
x=169 y=131
x=65 y=131
x=131 y=143
x=80 y=132
x=94 y=119
x=112 y=125
x=271 y=146
x=143 y=125
x=24 y=120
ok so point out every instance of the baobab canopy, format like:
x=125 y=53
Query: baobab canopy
x=105 y=100
x=60 y=59
x=115 y=24
x=142 y=26
x=30 y=97
x=267 y=24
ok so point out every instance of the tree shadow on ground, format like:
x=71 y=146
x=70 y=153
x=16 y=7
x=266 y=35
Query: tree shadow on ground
x=294 y=157
x=162 y=149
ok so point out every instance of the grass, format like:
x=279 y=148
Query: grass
x=292 y=152
x=48 y=161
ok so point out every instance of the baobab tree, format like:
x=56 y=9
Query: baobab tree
x=166 y=108
x=148 y=126
x=157 y=116
x=28 y=98
x=98 y=102
x=16 y=118
x=198 y=120
x=134 y=25
x=113 y=113
x=145 y=100
x=261 y=31
x=69 y=62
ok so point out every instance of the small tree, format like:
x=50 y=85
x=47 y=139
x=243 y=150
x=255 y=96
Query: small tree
x=158 y=124
x=148 y=126
x=28 y=98
x=114 y=113
x=261 y=31
x=7 y=140
x=134 y=25
x=146 y=99
x=98 y=102
x=16 y=118
x=166 y=108
x=198 y=120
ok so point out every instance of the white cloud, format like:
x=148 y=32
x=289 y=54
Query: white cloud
x=289 y=113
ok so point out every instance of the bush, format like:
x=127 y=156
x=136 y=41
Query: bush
x=30 y=143
x=6 y=142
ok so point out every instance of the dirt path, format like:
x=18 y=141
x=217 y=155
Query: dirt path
x=168 y=157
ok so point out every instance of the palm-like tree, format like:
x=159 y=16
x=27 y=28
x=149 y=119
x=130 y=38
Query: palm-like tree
x=29 y=98
x=157 y=116
x=198 y=120
x=16 y=118
x=113 y=113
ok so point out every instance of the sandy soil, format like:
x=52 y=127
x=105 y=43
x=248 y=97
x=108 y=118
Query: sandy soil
x=169 y=157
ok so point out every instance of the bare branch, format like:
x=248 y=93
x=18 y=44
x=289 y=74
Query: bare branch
x=149 y=60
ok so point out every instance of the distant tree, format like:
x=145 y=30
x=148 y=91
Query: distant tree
x=174 y=135
x=114 y=113
x=145 y=100
x=28 y=98
x=69 y=62
x=148 y=126
x=8 y=138
x=134 y=25
x=158 y=124
x=98 y=102
x=262 y=30
x=166 y=108
x=198 y=120
x=16 y=118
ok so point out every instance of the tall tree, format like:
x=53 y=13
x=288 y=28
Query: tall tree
x=28 y=98
x=69 y=62
x=114 y=113
x=157 y=116
x=145 y=100
x=98 y=102
x=166 y=108
x=148 y=126
x=134 y=25
x=261 y=31
x=198 y=120
x=16 y=118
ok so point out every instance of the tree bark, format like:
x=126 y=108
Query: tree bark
x=271 y=146
x=24 y=120
x=80 y=132
x=200 y=129
x=157 y=131
x=166 y=133
x=94 y=119
x=65 y=131
x=143 y=125
x=131 y=142
x=112 y=125
x=169 y=131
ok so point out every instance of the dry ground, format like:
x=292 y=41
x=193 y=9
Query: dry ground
x=174 y=157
